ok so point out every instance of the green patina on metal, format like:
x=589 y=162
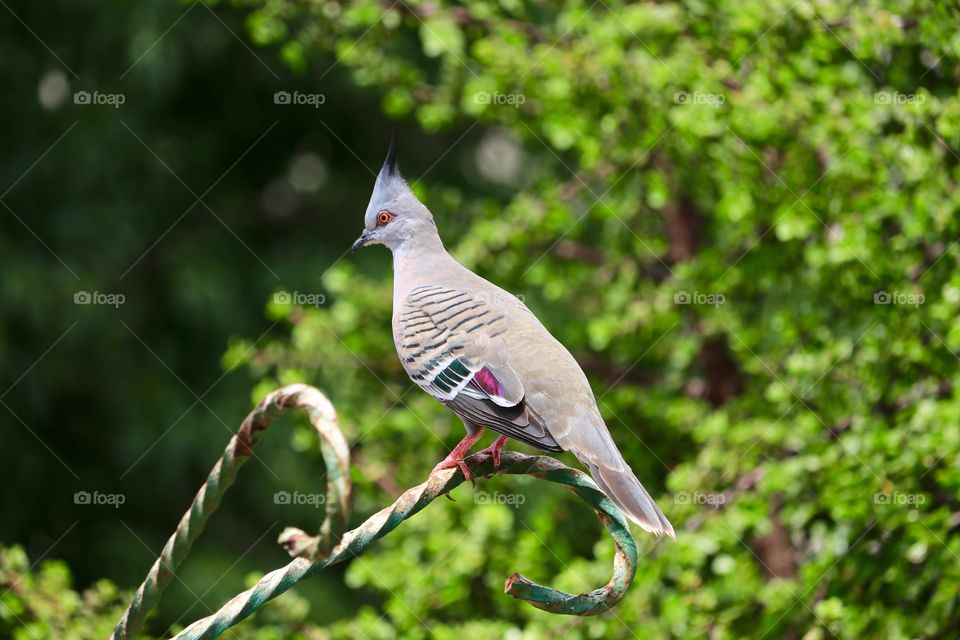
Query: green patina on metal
x=336 y=455
x=332 y=545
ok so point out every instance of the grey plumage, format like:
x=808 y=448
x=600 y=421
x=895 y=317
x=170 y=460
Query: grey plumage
x=480 y=351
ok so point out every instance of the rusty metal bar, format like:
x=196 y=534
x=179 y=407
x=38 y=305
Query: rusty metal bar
x=336 y=455
x=319 y=552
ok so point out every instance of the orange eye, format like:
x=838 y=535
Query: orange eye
x=384 y=217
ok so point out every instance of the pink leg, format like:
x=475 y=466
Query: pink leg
x=495 y=450
x=455 y=459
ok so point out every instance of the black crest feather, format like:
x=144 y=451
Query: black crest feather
x=390 y=167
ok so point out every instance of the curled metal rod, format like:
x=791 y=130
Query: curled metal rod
x=318 y=553
x=336 y=456
x=354 y=542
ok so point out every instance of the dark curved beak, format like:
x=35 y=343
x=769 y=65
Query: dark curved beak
x=362 y=240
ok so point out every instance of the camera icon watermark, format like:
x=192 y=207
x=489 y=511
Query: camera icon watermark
x=497 y=298
x=899 y=498
x=96 y=297
x=899 y=297
x=299 y=298
x=315 y=500
x=699 y=297
x=96 y=498
x=508 y=499
x=895 y=97
x=97 y=98
x=496 y=98
x=709 y=99
x=297 y=98
x=715 y=500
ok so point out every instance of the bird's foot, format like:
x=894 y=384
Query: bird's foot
x=494 y=450
x=455 y=459
x=451 y=462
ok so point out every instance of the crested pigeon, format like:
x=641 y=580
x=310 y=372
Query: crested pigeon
x=480 y=351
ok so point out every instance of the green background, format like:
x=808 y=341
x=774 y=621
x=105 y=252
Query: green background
x=741 y=218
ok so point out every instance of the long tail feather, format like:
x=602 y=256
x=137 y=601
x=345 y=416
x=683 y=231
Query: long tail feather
x=623 y=488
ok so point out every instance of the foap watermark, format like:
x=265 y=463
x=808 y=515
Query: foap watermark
x=715 y=500
x=298 y=98
x=895 y=97
x=510 y=99
x=300 y=298
x=699 y=297
x=509 y=499
x=709 y=99
x=97 y=98
x=96 y=498
x=493 y=298
x=315 y=500
x=899 y=297
x=899 y=498
x=98 y=297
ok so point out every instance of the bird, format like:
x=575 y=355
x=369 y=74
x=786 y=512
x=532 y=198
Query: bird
x=480 y=351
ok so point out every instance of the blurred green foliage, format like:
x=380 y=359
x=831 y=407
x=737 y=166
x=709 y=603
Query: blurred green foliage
x=739 y=216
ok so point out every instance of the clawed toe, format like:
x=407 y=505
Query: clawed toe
x=494 y=450
x=450 y=463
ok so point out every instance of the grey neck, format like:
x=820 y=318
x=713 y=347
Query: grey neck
x=420 y=261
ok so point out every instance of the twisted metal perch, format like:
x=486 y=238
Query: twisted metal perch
x=332 y=545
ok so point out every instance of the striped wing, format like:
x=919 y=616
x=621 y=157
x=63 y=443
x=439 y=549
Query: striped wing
x=445 y=341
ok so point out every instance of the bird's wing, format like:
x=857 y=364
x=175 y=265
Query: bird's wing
x=446 y=339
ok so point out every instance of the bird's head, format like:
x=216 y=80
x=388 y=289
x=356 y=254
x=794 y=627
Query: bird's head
x=395 y=217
